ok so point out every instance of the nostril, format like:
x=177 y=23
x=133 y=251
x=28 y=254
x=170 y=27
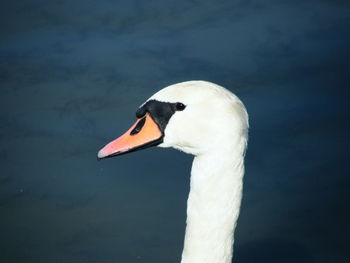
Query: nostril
x=138 y=126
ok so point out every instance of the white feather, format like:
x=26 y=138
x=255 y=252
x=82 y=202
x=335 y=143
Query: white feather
x=214 y=128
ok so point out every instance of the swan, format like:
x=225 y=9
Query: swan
x=211 y=123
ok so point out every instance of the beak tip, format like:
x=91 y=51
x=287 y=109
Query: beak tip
x=100 y=155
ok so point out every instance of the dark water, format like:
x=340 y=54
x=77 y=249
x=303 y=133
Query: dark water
x=72 y=74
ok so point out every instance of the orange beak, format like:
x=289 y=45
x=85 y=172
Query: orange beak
x=143 y=134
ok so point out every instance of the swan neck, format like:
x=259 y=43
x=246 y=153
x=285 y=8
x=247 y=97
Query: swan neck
x=213 y=207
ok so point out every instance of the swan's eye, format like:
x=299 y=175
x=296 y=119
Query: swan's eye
x=179 y=106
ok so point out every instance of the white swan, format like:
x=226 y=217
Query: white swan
x=208 y=121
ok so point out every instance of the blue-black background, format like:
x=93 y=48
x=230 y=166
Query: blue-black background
x=72 y=74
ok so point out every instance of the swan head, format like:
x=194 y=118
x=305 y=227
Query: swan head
x=193 y=116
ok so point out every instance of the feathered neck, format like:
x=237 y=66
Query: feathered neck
x=213 y=205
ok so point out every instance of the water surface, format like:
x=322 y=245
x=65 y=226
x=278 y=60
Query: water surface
x=72 y=75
